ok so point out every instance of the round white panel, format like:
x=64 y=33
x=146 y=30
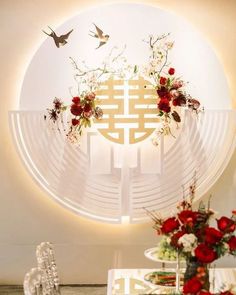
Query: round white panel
x=105 y=180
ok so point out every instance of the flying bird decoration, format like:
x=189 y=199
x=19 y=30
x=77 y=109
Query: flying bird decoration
x=59 y=40
x=100 y=36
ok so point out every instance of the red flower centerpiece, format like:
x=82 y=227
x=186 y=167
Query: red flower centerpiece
x=189 y=234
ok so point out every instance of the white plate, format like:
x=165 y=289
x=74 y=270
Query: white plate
x=147 y=279
x=152 y=255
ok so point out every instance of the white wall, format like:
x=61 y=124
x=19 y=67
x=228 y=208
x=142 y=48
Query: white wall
x=85 y=249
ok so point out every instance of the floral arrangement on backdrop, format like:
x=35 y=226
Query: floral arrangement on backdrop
x=84 y=107
x=190 y=234
x=171 y=93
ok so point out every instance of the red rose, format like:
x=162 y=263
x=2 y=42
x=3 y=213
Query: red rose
x=164 y=105
x=169 y=225
x=176 y=102
x=234 y=212
x=179 y=101
x=75 y=122
x=187 y=216
x=232 y=243
x=76 y=100
x=205 y=254
x=212 y=235
x=171 y=71
x=76 y=110
x=162 y=92
x=87 y=108
x=226 y=293
x=226 y=224
x=163 y=81
x=192 y=286
x=175 y=238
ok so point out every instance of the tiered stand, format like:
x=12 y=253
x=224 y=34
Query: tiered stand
x=151 y=254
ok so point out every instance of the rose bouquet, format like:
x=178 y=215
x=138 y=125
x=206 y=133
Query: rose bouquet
x=84 y=107
x=171 y=94
x=189 y=233
x=82 y=110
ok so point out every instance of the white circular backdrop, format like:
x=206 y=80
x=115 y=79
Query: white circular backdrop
x=113 y=182
x=50 y=72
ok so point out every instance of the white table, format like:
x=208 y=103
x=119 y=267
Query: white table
x=131 y=281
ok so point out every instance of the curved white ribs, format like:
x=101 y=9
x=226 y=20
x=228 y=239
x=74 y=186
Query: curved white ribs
x=105 y=181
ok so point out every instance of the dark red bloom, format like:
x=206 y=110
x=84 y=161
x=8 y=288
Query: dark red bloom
x=187 y=216
x=226 y=224
x=164 y=105
x=76 y=110
x=226 y=293
x=176 y=102
x=193 y=104
x=76 y=100
x=87 y=108
x=57 y=104
x=175 y=238
x=171 y=71
x=163 y=81
x=205 y=253
x=212 y=235
x=192 y=286
x=180 y=100
x=75 y=122
x=162 y=92
x=232 y=243
x=169 y=225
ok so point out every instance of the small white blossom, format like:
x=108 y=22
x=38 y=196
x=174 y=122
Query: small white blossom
x=168 y=240
x=189 y=242
x=169 y=45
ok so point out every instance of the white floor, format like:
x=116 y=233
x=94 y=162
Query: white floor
x=65 y=290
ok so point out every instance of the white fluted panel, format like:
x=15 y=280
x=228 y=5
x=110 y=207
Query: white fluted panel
x=205 y=145
x=105 y=181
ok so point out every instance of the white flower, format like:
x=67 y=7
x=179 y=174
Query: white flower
x=168 y=239
x=189 y=242
x=169 y=45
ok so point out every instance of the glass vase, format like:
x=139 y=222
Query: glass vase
x=199 y=270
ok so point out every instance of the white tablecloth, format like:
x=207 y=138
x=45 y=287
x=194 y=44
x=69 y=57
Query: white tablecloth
x=131 y=281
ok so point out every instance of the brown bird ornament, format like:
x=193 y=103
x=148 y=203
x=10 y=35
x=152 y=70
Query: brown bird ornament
x=59 y=40
x=103 y=38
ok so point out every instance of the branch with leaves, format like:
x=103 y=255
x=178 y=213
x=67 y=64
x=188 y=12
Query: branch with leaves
x=171 y=95
x=84 y=108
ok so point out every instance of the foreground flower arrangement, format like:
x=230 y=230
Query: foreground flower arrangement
x=190 y=234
